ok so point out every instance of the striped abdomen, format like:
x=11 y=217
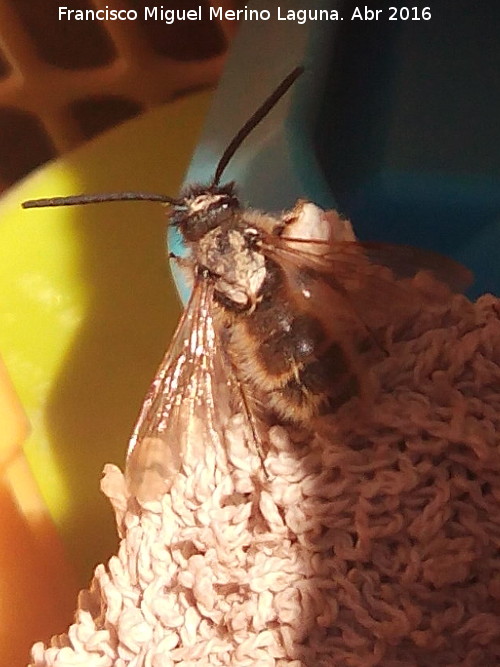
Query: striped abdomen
x=287 y=356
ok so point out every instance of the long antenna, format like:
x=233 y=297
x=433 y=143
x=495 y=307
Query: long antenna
x=75 y=200
x=252 y=122
x=236 y=142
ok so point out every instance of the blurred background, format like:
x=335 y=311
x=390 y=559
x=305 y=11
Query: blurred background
x=64 y=82
x=394 y=122
x=74 y=283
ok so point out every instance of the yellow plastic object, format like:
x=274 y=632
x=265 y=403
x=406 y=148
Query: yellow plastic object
x=13 y=421
x=87 y=309
x=37 y=582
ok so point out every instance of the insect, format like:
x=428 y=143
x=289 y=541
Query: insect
x=283 y=311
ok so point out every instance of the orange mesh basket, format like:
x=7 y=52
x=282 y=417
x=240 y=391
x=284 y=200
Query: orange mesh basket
x=63 y=81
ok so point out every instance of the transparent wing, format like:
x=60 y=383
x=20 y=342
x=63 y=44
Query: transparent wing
x=376 y=281
x=188 y=403
x=359 y=291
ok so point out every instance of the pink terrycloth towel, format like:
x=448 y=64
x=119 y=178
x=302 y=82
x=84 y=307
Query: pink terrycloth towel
x=375 y=542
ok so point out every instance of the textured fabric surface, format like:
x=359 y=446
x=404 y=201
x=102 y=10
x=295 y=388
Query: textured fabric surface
x=376 y=542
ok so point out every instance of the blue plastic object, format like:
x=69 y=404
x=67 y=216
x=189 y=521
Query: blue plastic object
x=394 y=123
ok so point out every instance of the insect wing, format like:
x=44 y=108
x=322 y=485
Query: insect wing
x=373 y=281
x=184 y=408
x=406 y=261
x=357 y=291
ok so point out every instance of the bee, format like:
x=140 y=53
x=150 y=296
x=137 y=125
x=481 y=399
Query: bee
x=285 y=312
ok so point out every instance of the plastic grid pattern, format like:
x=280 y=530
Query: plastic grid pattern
x=62 y=82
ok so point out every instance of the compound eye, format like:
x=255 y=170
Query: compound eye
x=229 y=202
